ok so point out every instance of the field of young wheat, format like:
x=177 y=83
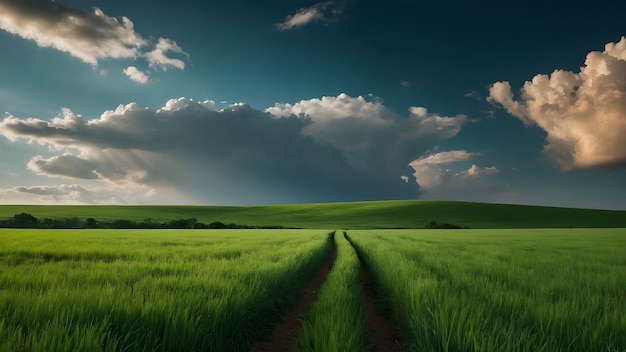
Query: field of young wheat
x=502 y=290
x=225 y=290
x=149 y=290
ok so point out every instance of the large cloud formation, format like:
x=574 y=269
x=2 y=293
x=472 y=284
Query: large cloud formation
x=89 y=37
x=583 y=114
x=328 y=149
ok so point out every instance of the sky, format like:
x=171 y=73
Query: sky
x=266 y=102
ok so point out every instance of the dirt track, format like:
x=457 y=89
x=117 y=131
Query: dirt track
x=385 y=335
x=284 y=337
x=285 y=333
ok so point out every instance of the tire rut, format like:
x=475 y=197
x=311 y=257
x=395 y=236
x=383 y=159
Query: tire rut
x=285 y=334
x=385 y=336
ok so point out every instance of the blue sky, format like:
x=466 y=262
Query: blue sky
x=247 y=102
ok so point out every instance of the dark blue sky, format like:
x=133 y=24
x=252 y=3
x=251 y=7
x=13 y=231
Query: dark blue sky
x=358 y=73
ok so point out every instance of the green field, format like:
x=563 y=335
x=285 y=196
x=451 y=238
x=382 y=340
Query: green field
x=529 y=287
x=149 y=290
x=337 y=321
x=222 y=290
x=502 y=290
x=359 y=215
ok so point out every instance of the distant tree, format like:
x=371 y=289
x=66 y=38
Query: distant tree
x=48 y=223
x=123 y=224
x=180 y=224
x=148 y=224
x=217 y=225
x=435 y=225
x=72 y=223
x=91 y=223
x=200 y=225
x=432 y=225
x=25 y=220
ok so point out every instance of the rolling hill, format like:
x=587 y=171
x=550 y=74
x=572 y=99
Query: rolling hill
x=376 y=214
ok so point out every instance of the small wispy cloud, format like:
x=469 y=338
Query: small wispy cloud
x=473 y=94
x=323 y=11
x=72 y=194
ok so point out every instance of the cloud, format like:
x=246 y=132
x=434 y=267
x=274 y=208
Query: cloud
x=438 y=180
x=326 y=149
x=133 y=73
x=474 y=94
x=323 y=11
x=583 y=113
x=428 y=172
x=68 y=194
x=89 y=37
x=158 y=57
x=368 y=133
x=66 y=165
x=476 y=171
x=405 y=84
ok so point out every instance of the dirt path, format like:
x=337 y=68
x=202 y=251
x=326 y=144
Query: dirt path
x=386 y=336
x=285 y=334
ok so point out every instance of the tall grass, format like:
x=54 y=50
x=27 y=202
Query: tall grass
x=502 y=290
x=337 y=321
x=149 y=290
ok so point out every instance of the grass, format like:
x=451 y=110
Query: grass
x=149 y=290
x=355 y=215
x=502 y=290
x=213 y=290
x=337 y=321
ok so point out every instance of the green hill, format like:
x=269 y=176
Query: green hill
x=379 y=214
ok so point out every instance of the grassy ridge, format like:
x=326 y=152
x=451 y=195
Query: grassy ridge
x=149 y=290
x=380 y=214
x=502 y=290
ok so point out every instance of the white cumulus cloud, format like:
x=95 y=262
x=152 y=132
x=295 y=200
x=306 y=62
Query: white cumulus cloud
x=583 y=113
x=368 y=133
x=133 y=73
x=326 y=149
x=475 y=171
x=158 y=57
x=429 y=172
x=438 y=179
x=89 y=37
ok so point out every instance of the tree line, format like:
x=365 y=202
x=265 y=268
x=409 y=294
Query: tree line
x=26 y=220
x=437 y=225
